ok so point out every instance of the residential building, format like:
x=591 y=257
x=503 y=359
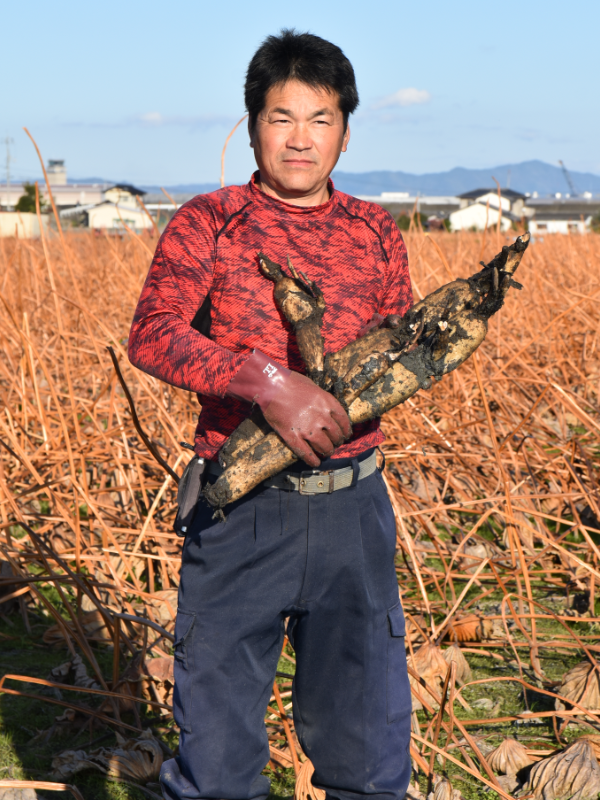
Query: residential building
x=433 y=206
x=482 y=207
x=562 y=213
x=478 y=216
x=118 y=210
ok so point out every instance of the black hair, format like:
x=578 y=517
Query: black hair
x=303 y=57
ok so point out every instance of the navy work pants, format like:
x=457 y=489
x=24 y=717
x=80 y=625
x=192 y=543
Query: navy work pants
x=326 y=562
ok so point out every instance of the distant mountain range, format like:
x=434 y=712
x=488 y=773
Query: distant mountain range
x=529 y=176
x=183 y=188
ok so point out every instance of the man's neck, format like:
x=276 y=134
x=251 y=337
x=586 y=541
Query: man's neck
x=314 y=198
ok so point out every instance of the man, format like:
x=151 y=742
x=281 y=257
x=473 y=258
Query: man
x=321 y=561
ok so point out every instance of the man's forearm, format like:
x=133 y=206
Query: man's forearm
x=166 y=347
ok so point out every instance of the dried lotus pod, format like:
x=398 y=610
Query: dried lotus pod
x=571 y=774
x=304 y=789
x=509 y=757
x=580 y=685
x=443 y=790
x=463 y=670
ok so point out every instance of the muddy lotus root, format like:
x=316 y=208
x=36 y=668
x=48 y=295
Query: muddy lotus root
x=572 y=774
x=509 y=757
x=581 y=685
x=378 y=371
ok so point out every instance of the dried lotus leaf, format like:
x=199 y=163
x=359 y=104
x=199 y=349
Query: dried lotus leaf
x=443 y=791
x=580 y=685
x=509 y=757
x=414 y=793
x=93 y=625
x=139 y=759
x=136 y=759
x=304 y=789
x=594 y=740
x=456 y=655
x=571 y=774
x=164 y=606
x=414 y=626
x=160 y=669
x=429 y=663
x=70 y=762
x=465 y=629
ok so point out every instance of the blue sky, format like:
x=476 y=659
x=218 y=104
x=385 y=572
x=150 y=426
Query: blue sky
x=147 y=91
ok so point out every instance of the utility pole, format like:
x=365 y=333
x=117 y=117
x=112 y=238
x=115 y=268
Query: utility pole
x=8 y=141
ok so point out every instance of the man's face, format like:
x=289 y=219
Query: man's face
x=297 y=140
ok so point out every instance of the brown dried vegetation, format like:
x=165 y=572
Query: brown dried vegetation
x=494 y=478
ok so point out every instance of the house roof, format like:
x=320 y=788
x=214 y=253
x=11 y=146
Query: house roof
x=510 y=194
x=127 y=187
x=493 y=209
x=561 y=216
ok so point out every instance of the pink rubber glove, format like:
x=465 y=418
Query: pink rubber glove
x=309 y=420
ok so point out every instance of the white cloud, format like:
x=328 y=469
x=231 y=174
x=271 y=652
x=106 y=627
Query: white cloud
x=152 y=118
x=403 y=98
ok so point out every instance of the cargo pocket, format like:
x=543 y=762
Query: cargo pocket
x=398 y=688
x=183 y=667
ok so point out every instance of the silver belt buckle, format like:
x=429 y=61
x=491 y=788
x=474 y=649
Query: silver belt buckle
x=327 y=479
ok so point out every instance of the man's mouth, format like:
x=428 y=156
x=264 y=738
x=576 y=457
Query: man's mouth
x=298 y=162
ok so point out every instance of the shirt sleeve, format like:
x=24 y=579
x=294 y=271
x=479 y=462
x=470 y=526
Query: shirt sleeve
x=162 y=341
x=397 y=295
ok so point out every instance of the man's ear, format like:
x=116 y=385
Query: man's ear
x=251 y=133
x=346 y=139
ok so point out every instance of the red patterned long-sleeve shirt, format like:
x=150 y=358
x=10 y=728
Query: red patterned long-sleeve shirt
x=205 y=272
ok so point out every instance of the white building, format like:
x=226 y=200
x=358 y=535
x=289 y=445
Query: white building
x=117 y=211
x=481 y=207
x=65 y=194
x=562 y=214
x=438 y=207
x=477 y=216
x=22 y=225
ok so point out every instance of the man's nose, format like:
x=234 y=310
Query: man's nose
x=299 y=139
